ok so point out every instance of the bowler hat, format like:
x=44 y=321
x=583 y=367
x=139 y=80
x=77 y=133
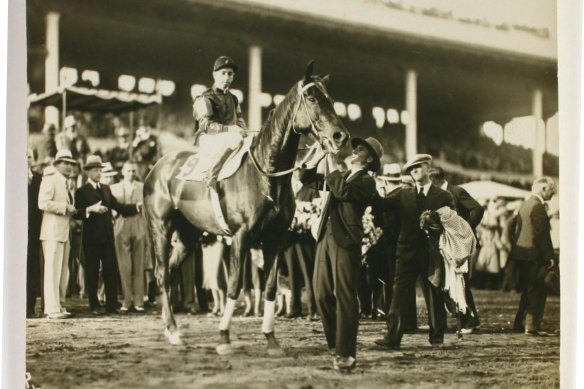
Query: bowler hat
x=224 y=62
x=375 y=149
x=92 y=162
x=416 y=160
x=69 y=121
x=392 y=172
x=64 y=156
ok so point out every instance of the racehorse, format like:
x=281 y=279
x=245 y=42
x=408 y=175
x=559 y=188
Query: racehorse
x=258 y=200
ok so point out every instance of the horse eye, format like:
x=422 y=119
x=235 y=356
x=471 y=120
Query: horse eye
x=311 y=99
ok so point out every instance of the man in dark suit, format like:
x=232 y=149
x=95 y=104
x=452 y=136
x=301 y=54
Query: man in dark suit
x=33 y=259
x=533 y=253
x=471 y=211
x=413 y=253
x=338 y=251
x=94 y=202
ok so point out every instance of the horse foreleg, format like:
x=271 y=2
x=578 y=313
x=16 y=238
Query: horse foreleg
x=238 y=250
x=271 y=266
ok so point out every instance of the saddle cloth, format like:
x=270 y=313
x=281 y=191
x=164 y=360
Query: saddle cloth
x=195 y=167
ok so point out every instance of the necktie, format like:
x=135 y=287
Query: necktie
x=70 y=197
x=420 y=199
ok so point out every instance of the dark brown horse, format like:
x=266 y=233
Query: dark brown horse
x=258 y=203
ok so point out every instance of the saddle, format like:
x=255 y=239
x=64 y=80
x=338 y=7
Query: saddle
x=195 y=167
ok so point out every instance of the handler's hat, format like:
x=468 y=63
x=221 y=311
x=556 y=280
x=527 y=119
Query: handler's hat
x=70 y=121
x=392 y=172
x=92 y=162
x=64 y=156
x=416 y=160
x=108 y=170
x=224 y=62
x=375 y=149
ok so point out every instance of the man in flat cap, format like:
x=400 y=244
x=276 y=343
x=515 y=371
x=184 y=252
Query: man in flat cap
x=339 y=240
x=412 y=253
x=95 y=202
x=218 y=117
x=470 y=210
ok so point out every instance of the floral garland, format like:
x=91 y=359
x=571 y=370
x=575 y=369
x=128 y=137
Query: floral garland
x=306 y=214
x=371 y=234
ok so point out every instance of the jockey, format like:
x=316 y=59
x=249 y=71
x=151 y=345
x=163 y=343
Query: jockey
x=218 y=115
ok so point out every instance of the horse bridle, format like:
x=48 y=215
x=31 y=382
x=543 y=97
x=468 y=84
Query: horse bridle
x=312 y=129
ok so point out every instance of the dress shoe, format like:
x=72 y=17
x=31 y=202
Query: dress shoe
x=138 y=309
x=469 y=330
x=536 y=333
x=124 y=310
x=57 y=315
x=385 y=343
x=113 y=311
x=65 y=312
x=292 y=315
x=246 y=313
x=437 y=345
x=344 y=364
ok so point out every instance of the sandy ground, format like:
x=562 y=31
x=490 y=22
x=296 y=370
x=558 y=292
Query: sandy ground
x=130 y=351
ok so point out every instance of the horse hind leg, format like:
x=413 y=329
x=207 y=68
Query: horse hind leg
x=159 y=226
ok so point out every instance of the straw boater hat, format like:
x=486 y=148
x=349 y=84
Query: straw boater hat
x=93 y=161
x=69 y=121
x=108 y=170
x=64 y=156
x=392 y=172
x=416 y=160
x=375 y=149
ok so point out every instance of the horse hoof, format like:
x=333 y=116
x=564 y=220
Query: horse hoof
x=224 y=349
x=173 y=337
x=275 y=351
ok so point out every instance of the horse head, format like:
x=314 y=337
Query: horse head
x=315 y=113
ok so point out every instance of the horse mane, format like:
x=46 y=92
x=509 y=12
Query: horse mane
x=273 y=131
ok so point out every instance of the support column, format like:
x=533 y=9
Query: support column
x=412 y=108
x=254 y=110
x=539 y=145
x=52 y=63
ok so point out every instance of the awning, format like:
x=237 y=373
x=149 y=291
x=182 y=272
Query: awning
x=96 y=100
x=490 y=190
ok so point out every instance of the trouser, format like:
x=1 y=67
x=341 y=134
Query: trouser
x=336 y=281
x=130 y=254
x=404 y=292
x=106 y=254
x=56 y=274
x=217 y=148
x=533 y=296
x=33 y=274
x=299 y=258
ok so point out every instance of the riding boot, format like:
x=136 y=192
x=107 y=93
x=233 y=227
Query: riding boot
x=216 y=165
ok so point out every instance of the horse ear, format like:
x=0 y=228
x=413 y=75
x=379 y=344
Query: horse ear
x=309 y=71
x=326 y=79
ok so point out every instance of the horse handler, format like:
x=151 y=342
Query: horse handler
x=338 y=252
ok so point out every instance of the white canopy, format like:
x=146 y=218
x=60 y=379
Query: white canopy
x=490 y=190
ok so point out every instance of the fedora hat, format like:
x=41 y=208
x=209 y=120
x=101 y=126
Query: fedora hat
x=375 y=149
x=108 y=170
x=64 y=156
x=224 y=62
x=416 y=160
x=392 y=172
x=69 y=121
x=93 y=161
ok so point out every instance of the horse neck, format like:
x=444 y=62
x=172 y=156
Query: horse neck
x=276 y=146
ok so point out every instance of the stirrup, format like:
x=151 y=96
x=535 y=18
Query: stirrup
x=211 y=183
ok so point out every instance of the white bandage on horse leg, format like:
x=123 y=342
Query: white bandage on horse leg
x=225 y=323
x=269 y=315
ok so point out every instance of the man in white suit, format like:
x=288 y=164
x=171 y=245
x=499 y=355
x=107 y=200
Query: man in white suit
x=130 y=238
x=57 y=205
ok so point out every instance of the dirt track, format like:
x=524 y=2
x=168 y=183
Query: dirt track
x=131 y=352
